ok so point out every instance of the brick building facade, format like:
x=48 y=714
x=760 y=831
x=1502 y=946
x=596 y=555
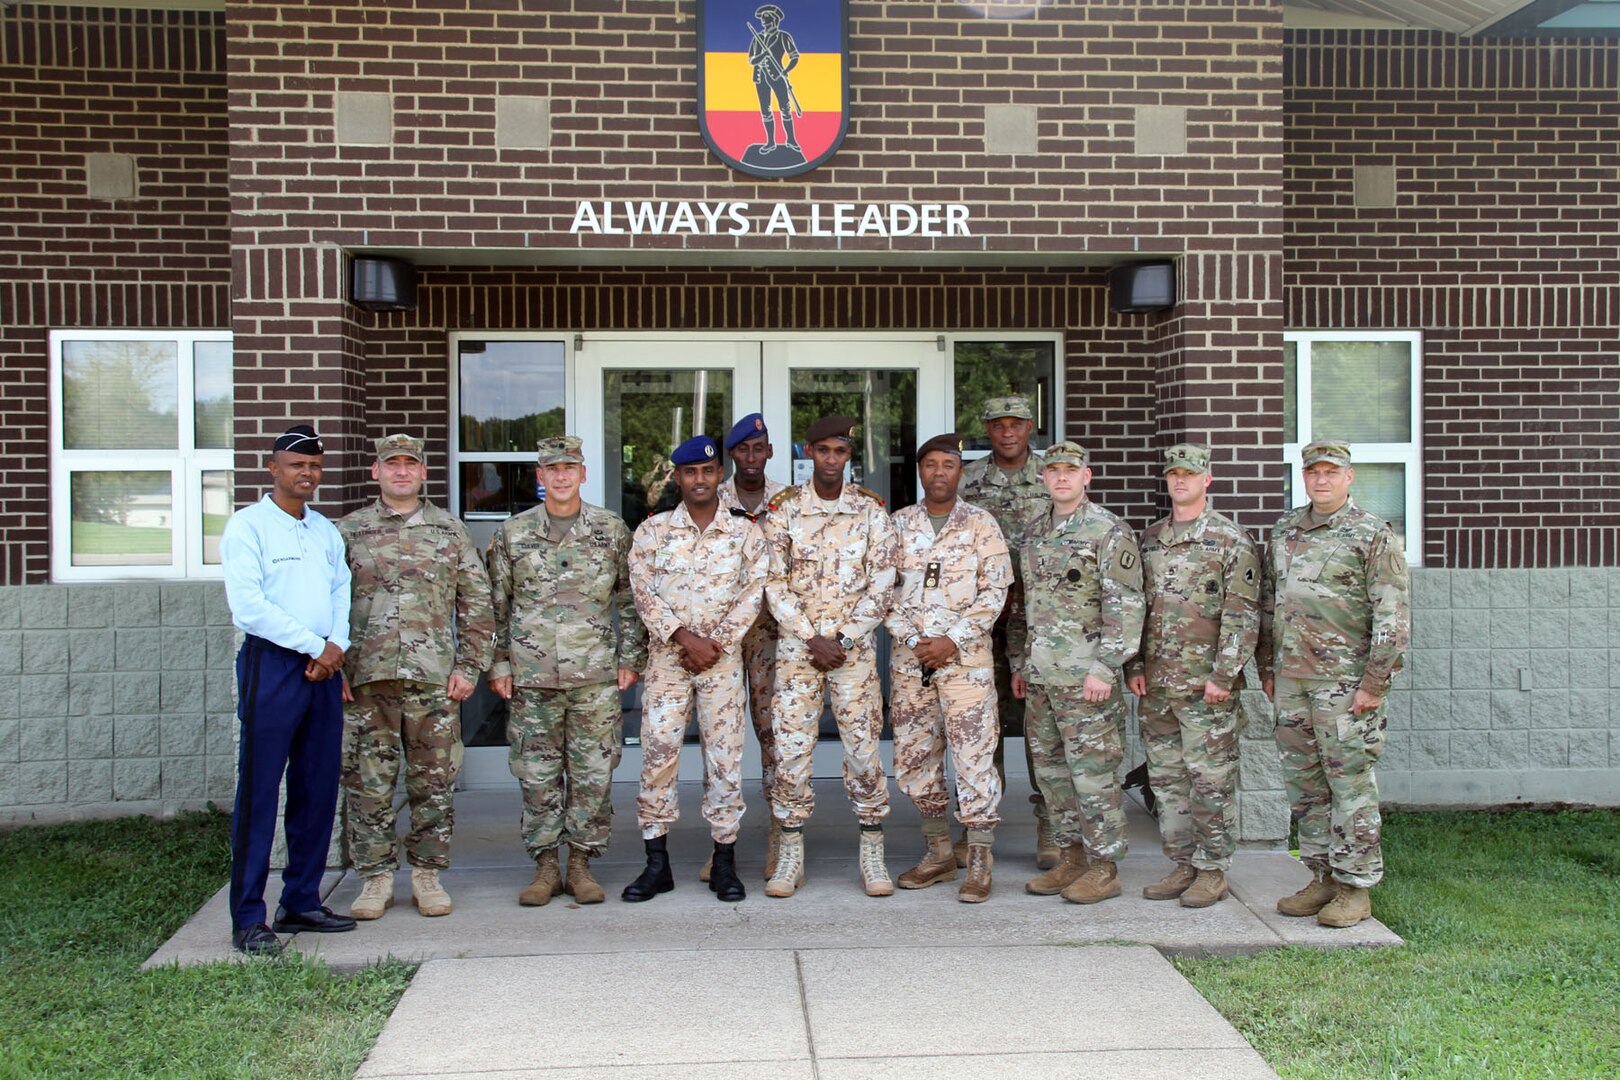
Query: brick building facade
x=221 y=169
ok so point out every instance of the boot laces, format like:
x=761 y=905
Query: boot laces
x=377 y=887
x=788 y=860
x=872 y=865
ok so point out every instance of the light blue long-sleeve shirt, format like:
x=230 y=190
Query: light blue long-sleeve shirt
x=286 y=578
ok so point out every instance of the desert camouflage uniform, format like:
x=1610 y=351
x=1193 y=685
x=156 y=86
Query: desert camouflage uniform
x=832 y=573
x=759 y=646
x=1202 y=580
x=1335 y=616
x=554 y=635
x=419 y=610
x=952 y=585
x=712 y=583
x=1083 y=612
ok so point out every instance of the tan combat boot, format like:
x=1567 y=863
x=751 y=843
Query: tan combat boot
x=976 y=889
x=874 y=871
x=1350 y=905
x=1070 y=865
x=706 y=869
x=1309 y=900
x=1046 y=849
x=937 y=864
x=581 y=886
x=789 y=865
x=1209 y=889
x=430 y=897
x=773 y=846
x=546 y=884
x=1173 y=884
x=959 y=852
x=376 y=897
x=1099 y=882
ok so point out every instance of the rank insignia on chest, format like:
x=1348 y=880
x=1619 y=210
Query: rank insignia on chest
x=931 y=576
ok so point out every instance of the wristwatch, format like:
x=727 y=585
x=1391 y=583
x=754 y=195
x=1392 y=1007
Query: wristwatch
x=911 y=642
x=846 y=642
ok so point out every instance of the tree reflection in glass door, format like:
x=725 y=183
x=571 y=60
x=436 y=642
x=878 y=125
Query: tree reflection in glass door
x=647 y=413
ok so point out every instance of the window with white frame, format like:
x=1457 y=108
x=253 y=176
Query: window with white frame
x=509 y=394
x=1364 y=387
x=141 y=462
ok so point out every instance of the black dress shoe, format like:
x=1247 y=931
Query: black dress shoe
x=320 y=921
x=255 y=940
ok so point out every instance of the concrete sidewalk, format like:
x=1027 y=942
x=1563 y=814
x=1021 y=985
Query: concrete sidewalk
x=830 y=912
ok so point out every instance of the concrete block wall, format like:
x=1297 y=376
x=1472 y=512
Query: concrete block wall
x=115 y=699
x=1512 y=690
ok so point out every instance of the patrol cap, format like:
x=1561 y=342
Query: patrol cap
x=399 y=444
x=950 y=443
x=300 y=439
x=694 y=451
x=830 y=427
x=745 y=429
x=1193 y=457
x=560 y=450
x=1066 y=453
x=1326 y=450
x=1014 y=405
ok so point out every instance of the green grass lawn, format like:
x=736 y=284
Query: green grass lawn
x=1511 y=967
x=82 y=905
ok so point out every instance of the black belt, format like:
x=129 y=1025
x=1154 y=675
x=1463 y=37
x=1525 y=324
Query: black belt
x=256 y=642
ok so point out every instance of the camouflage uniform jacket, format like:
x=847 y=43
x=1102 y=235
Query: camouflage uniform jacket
x=1203 y=616
x=731 y=504
x=832 y=570
x=420 y=598
x=712 y=581
x=1014 y=501
x=554 y=601
x=953 y=584
x=1334 y=600
x=1083 y=599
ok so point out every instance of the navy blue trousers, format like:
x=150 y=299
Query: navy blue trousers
x=293 y=726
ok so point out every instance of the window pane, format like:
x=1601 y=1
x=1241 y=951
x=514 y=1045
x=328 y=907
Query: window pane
x=1361 y=391
x=211 y=368
x=1381 y=489
x=1290 y=391
x=987 y=369
x=497 y=487
x=120 y=395
x=122 y=519
x=512 y=394
x=883 y=403
x=218 y=485
x=648 y=413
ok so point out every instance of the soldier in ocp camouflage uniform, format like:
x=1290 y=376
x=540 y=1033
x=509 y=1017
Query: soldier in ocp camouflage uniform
x=698 y=573
x=1335 y=622
x=1202 y=579
x=421 y=624
x=560 y=571
x=1007 y=482
x=1082 y=620
x=954 y=576
x=832 y=574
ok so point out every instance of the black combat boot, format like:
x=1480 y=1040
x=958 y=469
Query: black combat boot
x=657 y=878
x=723 y=879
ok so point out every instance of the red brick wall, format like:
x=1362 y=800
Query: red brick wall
x=1502 y=249
x=76 y=81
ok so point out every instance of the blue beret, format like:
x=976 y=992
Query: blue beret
x=694 y=451
x=746 y=428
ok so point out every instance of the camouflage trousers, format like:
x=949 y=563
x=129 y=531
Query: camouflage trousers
x=1012 y=712
x=564 y=747
x=1327 y=761
x=668 y=698
x=857 y=704
x=957 y=709
x=1192 y=759
x=759 y=662
x=1078 y=750
x=388 y=725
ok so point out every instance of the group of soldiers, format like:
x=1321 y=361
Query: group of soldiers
x=1013 y=602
